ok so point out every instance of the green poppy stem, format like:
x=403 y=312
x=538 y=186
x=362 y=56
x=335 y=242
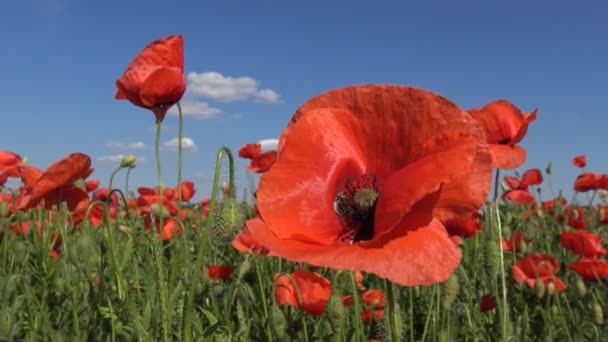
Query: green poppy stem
x=392 y=317
x=179 y=158
x=187 y=326
x=356 y=306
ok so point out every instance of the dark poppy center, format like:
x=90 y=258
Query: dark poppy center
x=355 y=206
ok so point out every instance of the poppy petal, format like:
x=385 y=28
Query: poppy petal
x=507 y=157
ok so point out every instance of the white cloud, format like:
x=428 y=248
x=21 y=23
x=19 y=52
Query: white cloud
x=227 y=88
x=188 y=144
x=196 y=110
x=268 y=96
x=268 y=144
x=119 y=146
x=117 y=158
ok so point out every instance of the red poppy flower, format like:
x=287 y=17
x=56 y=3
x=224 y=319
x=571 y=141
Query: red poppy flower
x=363 y=176
x=576 y=218
x=602 y=214
x=219 y=272
x=583 y=243
x=579 y=161
x=514 y=241
x=531 y=177
x=465 y=226
x=537 y=266
x=61 y=174
x=314 y=289
x=169 y=229
x=591 y=269
x=155 y=78
x=518 y=196
x=374 y=305
x=505 y=126
x=9 y=163
x=487 y=303
x=261 y=160
x=555 y=206
x=91 y=185
x=187 y=191
x=245 y=242
x=589 y=181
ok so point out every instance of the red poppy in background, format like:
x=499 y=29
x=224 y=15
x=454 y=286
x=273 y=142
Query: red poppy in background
x=245 y=242
x=591 y=269
x=579 y=161
x=261 y=160
x=155 y=79
x=487 y=303
x=518 y=196
x=504 y=126
x=9 y=163
x=576 y=217
x=57 y=182
x=514 y=241
x=314 y=289
x=188 y=191
x=465 y=226
x=374 y=305
x=364 y=175
x=219 y=272
x=91 y=185
x=583 y=243
x=587 y=181
x=537 y=266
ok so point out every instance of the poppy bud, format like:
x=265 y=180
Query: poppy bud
x=3 y=209
x=124 y=229
x=598 y=313
x=523 y=246
x=551 y=288
x=506 y=232
x=581 y=289
x=244 y=268
x=451 y=287
x=492 y=259
x=549 y=169
x=539 y=288
x=601 y=214
x=6 y=324
x=603 y=194
x=228 y=219
x=159 y=210
x=574 y=214
x=128 y=161
x=335 y=314
x=504 y=187
x=279 y=323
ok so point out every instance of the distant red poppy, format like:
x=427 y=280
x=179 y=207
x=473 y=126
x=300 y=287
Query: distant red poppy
x=314 y=290
x=487 y=303
x=588 y=181
x=155 y=78
x=465 y=226
x=188 y=191
x=219 y=272
x=244 y=242
x=91 y=185
x=363 y=176
x=374 y=305
x=60 y=174
x=514 y=241
x=583 y=243
x=518 y=196
x=504 y=126
x=261 y=160
x=537 y=266
x=9 y=163
x=591 y=269
x=579 y=161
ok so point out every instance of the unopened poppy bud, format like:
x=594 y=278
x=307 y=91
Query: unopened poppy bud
x=506 y=232
x=335 y=313
x=159 y=210
x=3 y=209
x=365 y=199
x=549 y=169
x=451 y=287
x=603 y=194
x=551 y=288
x=539 y=288
x=523 y=246
x=601 y=214
x=228 y=219
x=492 y=259
x=128 y=161
x=279 y=323
x=504 y=187
x=244 y=268
x=598 y=313
x=6 y=324
x=398 y=321
x=124 y=229
x=581 y=289
x=575 y=214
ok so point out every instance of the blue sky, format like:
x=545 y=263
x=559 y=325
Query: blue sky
x=61 y=59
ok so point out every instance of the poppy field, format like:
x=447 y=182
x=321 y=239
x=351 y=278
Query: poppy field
x=374 y=218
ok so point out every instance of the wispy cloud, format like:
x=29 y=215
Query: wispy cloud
x=216 y=86
x=188 y=144
x=121 y=146
x=116 y=158
x=268 y=144
x=196 y=110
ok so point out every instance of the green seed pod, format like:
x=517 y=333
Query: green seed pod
x=598 y=313
x=6 y=325
x=365 y=199
x=549 y=169
x=523 y=247
x=128 y=161
x=159 y=210
x=279 y=323
x=581 y=289
x=244 y=268
x=228 y=219
x=506 y=232
x=3 y=209
x=539 y=288
x=335 y=314
x=551 y=288
x=451 y=287
x=492 y=259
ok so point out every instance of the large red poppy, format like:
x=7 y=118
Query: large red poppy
x=261 y=160
x=537 y=266
x=505 y=126
x=56 y=182
x=314 y=290
x=155 y=78
x=579 y=161
x=363 y=177
x=583 y=243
